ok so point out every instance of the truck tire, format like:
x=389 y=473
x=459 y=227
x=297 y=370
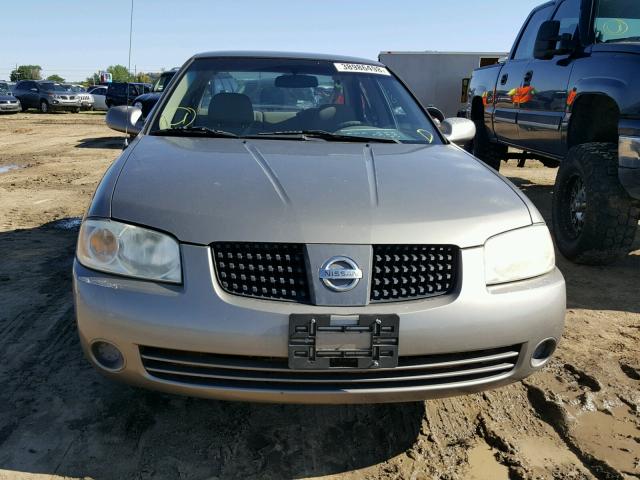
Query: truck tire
x=594 y=219
x=44 y=106
x=490 y=153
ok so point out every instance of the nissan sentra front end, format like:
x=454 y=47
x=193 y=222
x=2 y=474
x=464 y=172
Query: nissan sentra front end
x=242 y=252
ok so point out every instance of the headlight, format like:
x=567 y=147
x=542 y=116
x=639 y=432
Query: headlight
x=518 y=255
x=115 y=247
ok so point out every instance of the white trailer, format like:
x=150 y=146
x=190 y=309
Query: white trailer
x=440 y=79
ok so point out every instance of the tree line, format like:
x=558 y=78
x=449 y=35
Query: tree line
x=119 y=73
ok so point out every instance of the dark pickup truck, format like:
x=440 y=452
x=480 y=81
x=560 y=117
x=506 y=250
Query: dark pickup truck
x=569 y=95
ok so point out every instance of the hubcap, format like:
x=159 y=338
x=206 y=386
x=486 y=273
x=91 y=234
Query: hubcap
x=577 y=205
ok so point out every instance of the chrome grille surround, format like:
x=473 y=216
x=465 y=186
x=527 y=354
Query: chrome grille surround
x=278 y=271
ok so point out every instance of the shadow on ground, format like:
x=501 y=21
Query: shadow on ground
x=115 y=143
x=59 y=416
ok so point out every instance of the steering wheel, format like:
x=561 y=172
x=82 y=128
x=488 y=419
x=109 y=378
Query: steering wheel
x=352 y=123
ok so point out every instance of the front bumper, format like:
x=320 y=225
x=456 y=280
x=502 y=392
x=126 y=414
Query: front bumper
x=10 y=107
x=199 y=317
x=63 y=105
x=629 y=164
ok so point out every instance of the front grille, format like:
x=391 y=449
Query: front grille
x=232 y=371
x=277 y=271
x=264 y=270
x=405 y=272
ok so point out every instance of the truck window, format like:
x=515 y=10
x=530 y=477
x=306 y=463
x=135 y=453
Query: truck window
x=569 y=15
x=617 y=21
x=524 y=50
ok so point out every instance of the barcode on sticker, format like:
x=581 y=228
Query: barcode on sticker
x=361 y=68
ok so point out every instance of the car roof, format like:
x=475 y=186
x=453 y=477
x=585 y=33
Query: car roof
x=286 y=55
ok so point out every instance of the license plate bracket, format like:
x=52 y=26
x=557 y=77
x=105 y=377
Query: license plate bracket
x=325 y=342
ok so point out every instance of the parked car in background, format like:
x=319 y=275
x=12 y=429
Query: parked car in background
x=86 y=99
x=568 y=96
x=315 y=250
x=8 y=103
x=147 y=101
x=46 y=96
x=99 y=93
x=119 y=93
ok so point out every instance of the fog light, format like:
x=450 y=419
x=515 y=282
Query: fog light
x=107 y=356
x=543 y=352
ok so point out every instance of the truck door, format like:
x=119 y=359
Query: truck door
x=33 y=95
x=509 y=91
x=540 y=117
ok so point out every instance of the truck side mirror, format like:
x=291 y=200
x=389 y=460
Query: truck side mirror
x=125 y=119
x=546 y=46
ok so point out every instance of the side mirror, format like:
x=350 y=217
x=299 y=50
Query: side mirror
x=458 y=130
x=546 y=46
x=435 y=113
x=125 y=119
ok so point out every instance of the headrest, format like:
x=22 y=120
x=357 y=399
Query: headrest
x=234 y=108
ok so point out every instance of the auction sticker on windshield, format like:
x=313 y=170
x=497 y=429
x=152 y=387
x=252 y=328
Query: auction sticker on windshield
x=361 y=68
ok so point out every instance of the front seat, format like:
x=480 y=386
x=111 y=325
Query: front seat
x=231 y=112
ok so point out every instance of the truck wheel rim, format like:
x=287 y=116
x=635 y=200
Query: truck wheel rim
x=577 y=205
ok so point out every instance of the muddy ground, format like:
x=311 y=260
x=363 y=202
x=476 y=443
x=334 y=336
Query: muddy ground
x=579 y=418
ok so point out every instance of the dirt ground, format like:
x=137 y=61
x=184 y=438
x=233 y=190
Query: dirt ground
x=579 y=418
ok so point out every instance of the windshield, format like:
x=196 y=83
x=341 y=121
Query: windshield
x=617 y=21
x=162 y=82
x=4 y=87
x=272 y=97
x=52 y=87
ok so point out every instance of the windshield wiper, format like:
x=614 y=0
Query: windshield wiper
x=193 y=132
x=323 y=134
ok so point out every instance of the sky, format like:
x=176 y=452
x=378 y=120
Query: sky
x=74 y=38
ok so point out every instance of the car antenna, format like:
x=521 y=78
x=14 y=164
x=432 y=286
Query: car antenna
x=126 y=128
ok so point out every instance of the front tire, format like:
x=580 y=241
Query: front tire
x=490 y=153
x=594 y=219
x=44 y=107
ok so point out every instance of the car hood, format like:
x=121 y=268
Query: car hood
x=617 y=47
x=5 y=97
x=207 y=190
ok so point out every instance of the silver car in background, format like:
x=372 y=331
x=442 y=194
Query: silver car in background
x=99 y=94
x=308 y=235
x=86 y=99
x=8 y=103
